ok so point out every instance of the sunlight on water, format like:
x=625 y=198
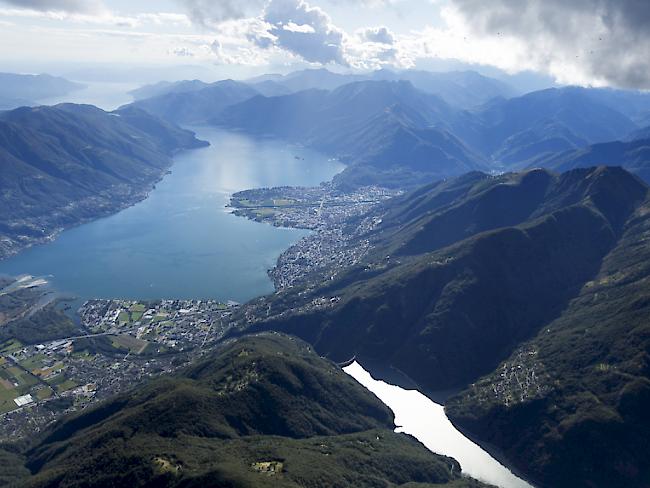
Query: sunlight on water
x=181 y=242
x=417 y=415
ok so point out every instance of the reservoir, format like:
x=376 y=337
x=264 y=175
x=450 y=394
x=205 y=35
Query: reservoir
x=419 y=416
x=182 y=242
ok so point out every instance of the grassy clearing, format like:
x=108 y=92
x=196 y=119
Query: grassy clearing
x=34 y=363
x=10 y=346
x=66 y=385
x=133 y=344
x=43 y=393
x=264 y=212
x=123 y=318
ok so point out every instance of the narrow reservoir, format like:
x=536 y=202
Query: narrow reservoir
x=182 y=242
x=419 y=416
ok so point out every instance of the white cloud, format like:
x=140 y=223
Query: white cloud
x=70 y=6
x=100 y=18
x=382 y=35
x=305 y=31
x=211 y=12
x=182 y=52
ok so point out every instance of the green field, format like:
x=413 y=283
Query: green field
x=35 y=362
x=10 y=346
x=283 y=202
x=138 y=307
x=8 y=376
x=65 y=386
x=123 y=317
x=134 y=345
x=44 y=393
x=263 y=212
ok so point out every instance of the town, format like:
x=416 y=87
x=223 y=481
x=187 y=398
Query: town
x=121 y=343
x=118 y=344
x=336 y=217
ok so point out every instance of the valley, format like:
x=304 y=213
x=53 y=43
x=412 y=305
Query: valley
x=416 y=240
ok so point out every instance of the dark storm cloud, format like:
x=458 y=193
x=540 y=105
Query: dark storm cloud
x=605 y=39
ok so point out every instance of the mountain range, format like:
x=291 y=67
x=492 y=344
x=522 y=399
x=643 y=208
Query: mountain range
x=510 y=279
x=402 y=129
x=634 y=155
x=264 y=410
x=528 y=290
x=464 y=89
x=66 y=164
x=17 y=90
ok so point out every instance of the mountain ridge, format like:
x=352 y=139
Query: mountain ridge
x=66 y=164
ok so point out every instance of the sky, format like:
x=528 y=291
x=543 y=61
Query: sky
x=584 y=42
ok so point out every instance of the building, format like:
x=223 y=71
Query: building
x=21 y=401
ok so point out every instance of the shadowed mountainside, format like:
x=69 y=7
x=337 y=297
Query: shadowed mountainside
x=265 y=410
x=535 y=279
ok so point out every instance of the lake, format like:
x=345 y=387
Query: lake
x=107 y=96
x=419 y=416
x=182 y=242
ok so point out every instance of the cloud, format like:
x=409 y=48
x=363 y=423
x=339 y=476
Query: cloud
x=602 y=42
x=210 y=12
x=69 y=6
x=381 y=35
x=304 y=31
x=182 y=52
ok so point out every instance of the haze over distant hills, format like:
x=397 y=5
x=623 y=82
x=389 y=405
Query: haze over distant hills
x=17 y=90
x=402 y=129
x=464 y=89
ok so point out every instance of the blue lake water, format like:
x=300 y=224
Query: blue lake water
x=182 y=242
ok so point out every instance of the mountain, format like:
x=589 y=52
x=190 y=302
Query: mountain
x=265 y=410
x=7 y=103
x=479 y=116
x=165 y=87
x=571 y=405
x=17 y=90
x=643 y=133
x=390 y=151
x=633 y=156
x=66 y=164
x=193 y=103
x=465 y=283
x=308 y=79
x=634 y=104
x=389 y=133
x=546 y=121
x=461 y=89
